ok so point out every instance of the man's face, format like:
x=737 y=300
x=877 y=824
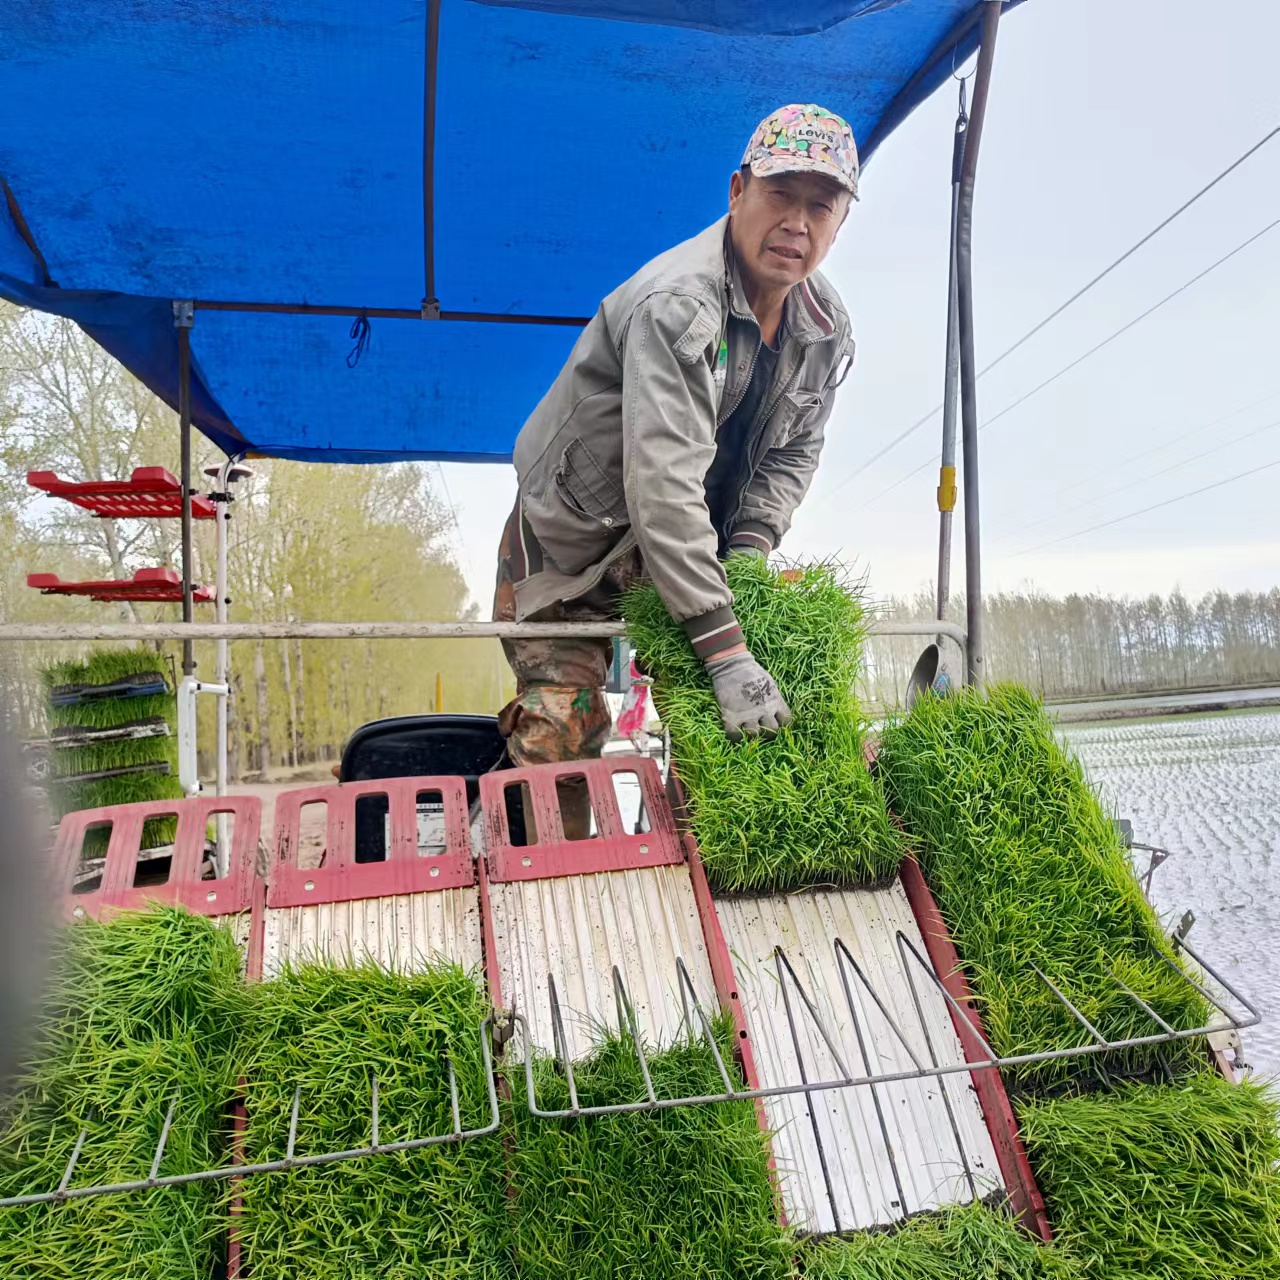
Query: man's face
x=783 y=225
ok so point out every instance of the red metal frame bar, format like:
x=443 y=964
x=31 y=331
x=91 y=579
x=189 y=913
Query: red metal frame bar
x=160 y=586
x=340 y=878
x=151 y=492
x=228 y=895
x=551 y=855
x=1002 y=1124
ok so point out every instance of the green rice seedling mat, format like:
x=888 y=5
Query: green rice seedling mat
x=680 y=1193
x=968 y=1242
x=99 y=668
x=1173 y=1182
x=439 y=1212
x=142 y=1007
x=800 y=809
x=1028 y=869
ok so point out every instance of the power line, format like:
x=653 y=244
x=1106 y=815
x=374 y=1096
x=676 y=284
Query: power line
x=1155 y=506
x=1182 y=288
x=1168 y=444
x=1079 y=360
x=1054 y=314
x=1128 y=253
x=1153 y=475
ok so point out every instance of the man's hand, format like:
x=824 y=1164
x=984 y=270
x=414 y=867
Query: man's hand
x=749 y=700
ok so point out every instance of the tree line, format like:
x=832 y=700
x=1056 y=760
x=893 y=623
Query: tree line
x=1079 y=646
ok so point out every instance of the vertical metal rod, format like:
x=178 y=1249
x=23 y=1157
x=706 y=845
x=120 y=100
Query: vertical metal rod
x=75 y=1159
x=293 y=1124
x=1075 y=1013
x=780 y=961
x=222 y=658
x=164 y=1138
x=374 y=1113
x=866 y=1067
x=1254 y=1014
x=453 y=1096
x=933 y=1062
x=843 y=951
x=685 y=981
x=947 y=475
x=624 y=1004
x=430 y=303
x=183 y=313
x=1145 y=1007
x=976 y=672
x=560 y=1042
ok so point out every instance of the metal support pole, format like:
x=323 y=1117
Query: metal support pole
x=976 y=667
x=183 y=315
x=222 y=659
x=947 y=474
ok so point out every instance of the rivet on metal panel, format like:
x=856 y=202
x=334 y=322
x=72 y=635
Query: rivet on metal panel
x=435 y=871
x=211 y=896
x=526 y=862
x=310 y=884
x=644 y=848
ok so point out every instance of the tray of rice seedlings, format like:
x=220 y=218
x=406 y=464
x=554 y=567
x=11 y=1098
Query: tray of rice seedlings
x=119 y=770
x=141 y=1009
x=1029 y=871
x=683 y=1192
x=801 y=808
x=1163 y=1182
x=438 y=1212
x=964 y=1242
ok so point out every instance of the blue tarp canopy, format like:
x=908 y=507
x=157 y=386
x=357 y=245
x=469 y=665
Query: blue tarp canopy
x=277 y=162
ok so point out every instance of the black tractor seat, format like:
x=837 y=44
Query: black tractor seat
x=463 y=746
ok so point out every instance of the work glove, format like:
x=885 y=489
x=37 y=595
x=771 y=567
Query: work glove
x=749 y=700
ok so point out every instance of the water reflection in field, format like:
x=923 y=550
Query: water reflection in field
x=1207 y=788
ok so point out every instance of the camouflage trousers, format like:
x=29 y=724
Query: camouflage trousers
x=559 y=711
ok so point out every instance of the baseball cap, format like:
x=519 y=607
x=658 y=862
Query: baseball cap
x=804 y=138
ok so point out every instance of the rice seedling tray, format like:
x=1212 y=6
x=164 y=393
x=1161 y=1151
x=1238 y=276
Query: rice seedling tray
x=798 y=809
x=563 y=916
x=1076 y=978
x=149 y=493
x=157 y=586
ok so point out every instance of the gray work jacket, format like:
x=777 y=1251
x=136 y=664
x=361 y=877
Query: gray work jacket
x=616 y=452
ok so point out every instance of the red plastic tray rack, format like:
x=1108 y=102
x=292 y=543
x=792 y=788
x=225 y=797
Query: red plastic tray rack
x=157 y=585
x=151 y=492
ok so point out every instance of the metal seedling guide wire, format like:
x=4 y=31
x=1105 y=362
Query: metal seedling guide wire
x=698 y=1022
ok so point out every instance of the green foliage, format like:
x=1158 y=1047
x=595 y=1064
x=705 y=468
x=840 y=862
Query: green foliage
x=801 y=808
x=438 y=1212
x=142 y=1008
x=1028 y=870
x=645 y=1196
x=102 y=666
x=966 y=1242
x=1174 y=1182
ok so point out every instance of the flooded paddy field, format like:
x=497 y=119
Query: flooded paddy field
x=1208 y=789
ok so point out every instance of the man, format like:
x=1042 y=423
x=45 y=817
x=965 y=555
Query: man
x=685 y=426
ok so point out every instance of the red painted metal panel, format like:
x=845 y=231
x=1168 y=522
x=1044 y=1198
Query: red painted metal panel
x=151 y=492
x=549 y=854
x=1024 y=1194
x=340 y=878
x=219 y=897
x=157 y=586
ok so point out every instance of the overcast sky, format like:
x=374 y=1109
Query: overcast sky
x=1105 y=115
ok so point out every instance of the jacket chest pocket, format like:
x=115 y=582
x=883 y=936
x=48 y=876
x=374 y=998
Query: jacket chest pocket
x=588 y=489
x=794 y=411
